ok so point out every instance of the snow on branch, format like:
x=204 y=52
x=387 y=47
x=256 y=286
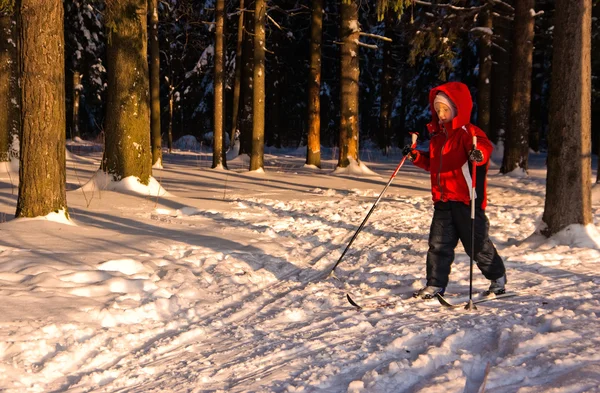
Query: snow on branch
x=367 y=45
x=450 y=6
x=482 y=30
x=379 y=37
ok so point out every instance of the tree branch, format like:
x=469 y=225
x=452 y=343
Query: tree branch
x=379 y=37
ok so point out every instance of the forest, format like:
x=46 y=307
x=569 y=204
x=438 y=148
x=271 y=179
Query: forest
x=291 y=73
x=129 y=263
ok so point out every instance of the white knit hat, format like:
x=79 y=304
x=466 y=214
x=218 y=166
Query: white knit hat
x=442 y=98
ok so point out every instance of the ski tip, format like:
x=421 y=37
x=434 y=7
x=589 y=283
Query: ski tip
x=352 y=302
x=443 y=301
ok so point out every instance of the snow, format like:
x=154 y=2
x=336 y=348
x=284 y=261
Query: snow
x=59 y=216
x=221 y=284
x=129 y=185
x=483 y=30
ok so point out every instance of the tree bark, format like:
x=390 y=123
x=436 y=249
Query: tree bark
x=247 y=85
x=219 y=83
x=170 y=131
x=42 y=172
x=568 y=185
x=313 y=147
x=516 y=147
x=484 y=89
x=127 y=150
x=9 y=89
x=156 y=137
x=258 y=96
x=387 y=83
x=349 y=66
x=238 y=73
x=275 y=86
x=76 y=95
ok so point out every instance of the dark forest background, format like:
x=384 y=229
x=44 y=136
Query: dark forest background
x=430 y=45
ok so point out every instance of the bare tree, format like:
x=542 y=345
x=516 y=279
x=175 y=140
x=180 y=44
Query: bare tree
x=568 y=184
x=42 y=172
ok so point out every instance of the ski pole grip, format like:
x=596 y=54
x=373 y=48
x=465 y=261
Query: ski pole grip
x=414 y=138
x=474 y=141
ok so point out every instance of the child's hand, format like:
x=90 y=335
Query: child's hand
x=476 y=155
x=409 y=152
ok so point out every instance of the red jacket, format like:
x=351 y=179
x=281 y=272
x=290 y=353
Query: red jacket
x=447 y=159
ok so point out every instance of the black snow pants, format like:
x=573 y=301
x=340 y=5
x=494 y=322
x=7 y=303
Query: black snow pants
x=451 y=222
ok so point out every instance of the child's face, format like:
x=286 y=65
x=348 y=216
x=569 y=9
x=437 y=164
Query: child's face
x=444 y=112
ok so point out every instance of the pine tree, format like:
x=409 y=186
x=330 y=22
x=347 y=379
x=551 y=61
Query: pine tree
x=219 y=82
x=313 y=148
x=42 y=172
x=568 y=185
x=85 y=52
x=156 y=138
x=9 y=89
x=258 y=83
x=484 y=85
x=128 y=113
x=349 y=79
x=516 y=147
x=247 y=84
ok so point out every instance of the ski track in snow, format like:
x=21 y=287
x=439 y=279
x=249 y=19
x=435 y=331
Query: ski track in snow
x=186 y=318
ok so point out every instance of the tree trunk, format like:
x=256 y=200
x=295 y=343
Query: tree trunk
x=258 y=96
x=156 y=138
x=219 y=81
x=501 y=81
x=76 y=95
x=170 y=131
x=401 y=132
x=274 y=132
x=9 y=89
x=484 y=88
x=516 y=147
x=387 y=83
x=127 y=150
x=246 y=111
x=349 y=66
x=536 y=113
x=313 y=148
x=42 y=172
x=238 y=72
x=568 y=185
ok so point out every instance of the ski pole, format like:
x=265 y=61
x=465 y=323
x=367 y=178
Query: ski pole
x=471 y=305
x=414 y=144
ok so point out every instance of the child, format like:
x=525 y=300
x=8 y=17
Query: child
x=449 y=162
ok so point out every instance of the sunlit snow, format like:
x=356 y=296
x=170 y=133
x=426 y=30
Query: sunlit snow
x=223 y=287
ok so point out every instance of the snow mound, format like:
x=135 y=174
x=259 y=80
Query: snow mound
x=128 y=185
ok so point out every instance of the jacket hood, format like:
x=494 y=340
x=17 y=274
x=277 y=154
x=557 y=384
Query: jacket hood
x=461 y=97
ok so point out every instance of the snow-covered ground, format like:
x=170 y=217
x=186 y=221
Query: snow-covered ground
x=220 y=286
